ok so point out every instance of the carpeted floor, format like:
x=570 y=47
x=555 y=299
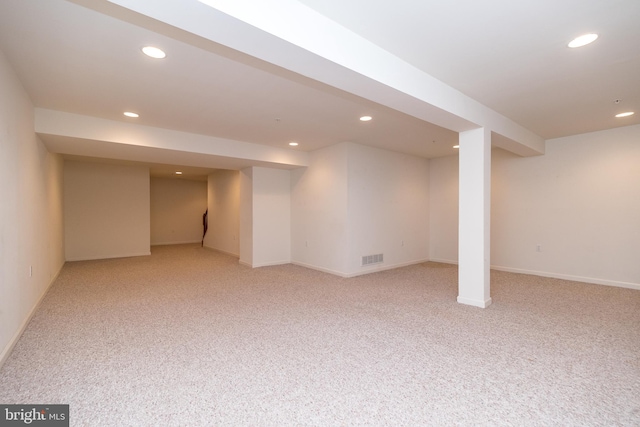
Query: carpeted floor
x=188 y=337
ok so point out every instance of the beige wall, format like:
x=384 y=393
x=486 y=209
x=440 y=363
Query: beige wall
x=31 y=212
x=106 y=210
x=224 y=212
x=580 y=202
x=177 y=206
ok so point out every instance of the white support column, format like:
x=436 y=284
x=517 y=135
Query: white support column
x=246 y=232
x=474 y=220
x=265 y=216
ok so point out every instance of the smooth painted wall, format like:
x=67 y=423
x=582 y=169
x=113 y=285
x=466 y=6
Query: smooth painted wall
x=319 y=211
x=177 y=206
x=443 y=209
x=246 y=217
x=354 y=201
x=387 y=208
x=31 y=212
x=271 y=216
x=224 y=212
x=106 y=210
x=580 y=202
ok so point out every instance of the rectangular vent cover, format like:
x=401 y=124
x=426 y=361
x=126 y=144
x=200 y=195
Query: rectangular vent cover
x=372 y=259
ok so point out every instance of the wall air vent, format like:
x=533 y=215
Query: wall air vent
x=372 y=259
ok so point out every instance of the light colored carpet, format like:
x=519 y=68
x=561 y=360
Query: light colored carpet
x=188 y=337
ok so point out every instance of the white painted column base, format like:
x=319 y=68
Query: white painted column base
x=476 y=303
x=474 y=219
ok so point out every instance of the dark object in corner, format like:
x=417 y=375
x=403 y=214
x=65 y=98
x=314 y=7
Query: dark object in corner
x=205 y=224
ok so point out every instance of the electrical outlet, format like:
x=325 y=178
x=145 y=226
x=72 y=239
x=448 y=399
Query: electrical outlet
x=538 y=248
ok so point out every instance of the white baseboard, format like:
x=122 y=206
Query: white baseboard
x=222 y=252
x=383 y=267
x=590 y=280
x=264 y=264
x=313 y=267
x=369 y=270
x=473 y=302
x=185 y=242
x=444 y=261
x=16 y=337
x=92 y=258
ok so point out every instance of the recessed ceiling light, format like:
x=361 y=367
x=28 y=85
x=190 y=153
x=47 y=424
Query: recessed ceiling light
x=154 y=52
x=627 y=114
x=583 y=40
x=365 y=118
x=178 y=173
x=130 y=114
x=293 y=144
x=456 y=146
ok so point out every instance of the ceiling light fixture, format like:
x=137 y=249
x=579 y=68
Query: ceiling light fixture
x=293 y=144
x=130 y=114
x=365 y=118
x=456 y=146
x=178 y=173
x=154 y=52
x=583 y=40
x=627 y=114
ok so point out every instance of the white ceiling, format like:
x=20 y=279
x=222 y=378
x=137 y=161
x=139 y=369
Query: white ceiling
x=510 y=56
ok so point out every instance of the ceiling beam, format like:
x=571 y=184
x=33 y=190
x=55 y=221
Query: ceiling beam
x=295 y=38
x=91 y=136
